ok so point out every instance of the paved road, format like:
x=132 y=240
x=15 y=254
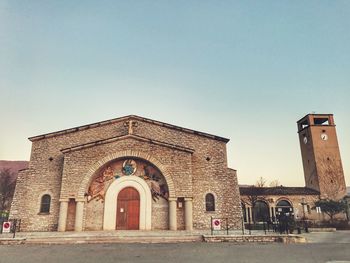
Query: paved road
x=327 y=251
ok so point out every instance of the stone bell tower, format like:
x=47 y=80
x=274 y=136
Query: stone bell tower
x=320 y=153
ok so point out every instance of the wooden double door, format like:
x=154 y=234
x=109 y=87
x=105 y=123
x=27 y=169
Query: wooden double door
x=128 y=209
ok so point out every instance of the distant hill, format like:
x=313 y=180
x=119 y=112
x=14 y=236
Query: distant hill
x=14 y=166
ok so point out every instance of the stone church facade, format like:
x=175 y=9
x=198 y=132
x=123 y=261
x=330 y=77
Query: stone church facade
x=126 y=173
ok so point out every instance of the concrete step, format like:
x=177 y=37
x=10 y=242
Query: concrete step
x=113 y=239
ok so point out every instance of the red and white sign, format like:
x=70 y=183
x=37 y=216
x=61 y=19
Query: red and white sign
x=216 y=223
x=6 y=227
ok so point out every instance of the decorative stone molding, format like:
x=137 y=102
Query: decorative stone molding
x=121 y=154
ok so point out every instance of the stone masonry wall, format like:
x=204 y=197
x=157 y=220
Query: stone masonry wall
x=193 y=175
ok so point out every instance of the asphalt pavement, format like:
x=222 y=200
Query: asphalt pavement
x=324 y=247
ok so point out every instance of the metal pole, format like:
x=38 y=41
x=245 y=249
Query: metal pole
x=243 y=226
x=226 y=226
x=211 y=225
x=249 y=227
x=14 y=227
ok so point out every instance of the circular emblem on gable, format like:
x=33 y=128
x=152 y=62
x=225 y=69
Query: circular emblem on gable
x=129 y=167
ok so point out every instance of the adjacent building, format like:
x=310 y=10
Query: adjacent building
x=323 y=173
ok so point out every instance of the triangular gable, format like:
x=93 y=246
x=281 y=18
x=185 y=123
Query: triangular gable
x=133 y=117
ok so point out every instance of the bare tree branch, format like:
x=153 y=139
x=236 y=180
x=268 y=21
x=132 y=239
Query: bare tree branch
x=7 y=188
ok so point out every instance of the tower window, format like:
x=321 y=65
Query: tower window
x=303 y=125
x=321 y=121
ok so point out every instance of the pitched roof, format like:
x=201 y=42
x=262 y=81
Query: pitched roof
x=134 y=117
x=279 y=190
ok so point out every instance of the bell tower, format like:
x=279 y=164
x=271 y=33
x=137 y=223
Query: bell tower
x=323 y=170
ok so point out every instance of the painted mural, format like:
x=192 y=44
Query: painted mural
x=128 y=167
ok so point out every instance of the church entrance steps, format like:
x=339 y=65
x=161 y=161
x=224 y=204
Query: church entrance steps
x=105 y=237
x=95 y=237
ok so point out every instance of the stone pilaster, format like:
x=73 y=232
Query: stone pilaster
x=62 y=219
x=250 y=219
x=79 y=212
x=271 y=211
x=188 y=214
x=172 y=214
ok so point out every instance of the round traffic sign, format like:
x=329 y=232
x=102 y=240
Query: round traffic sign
x=6 y=227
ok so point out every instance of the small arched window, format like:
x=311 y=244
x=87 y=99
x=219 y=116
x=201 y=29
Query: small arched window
x=209 y=202
x=45 y=204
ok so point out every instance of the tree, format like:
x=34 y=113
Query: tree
x=274 y=183
x=261 y=182
x=331 y=207
x=7 y=188
x=254 y=195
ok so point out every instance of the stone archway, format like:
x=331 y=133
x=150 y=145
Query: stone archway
x=90 y=172
x=110 y=206
x=121 y=154
x=284 y=207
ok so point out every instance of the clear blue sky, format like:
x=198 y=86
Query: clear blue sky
x=246 y=70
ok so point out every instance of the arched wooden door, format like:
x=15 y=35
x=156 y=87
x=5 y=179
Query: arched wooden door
x=128 y=209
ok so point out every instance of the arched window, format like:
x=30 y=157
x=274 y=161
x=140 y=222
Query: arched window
x=244 y=212
x=45 y=204
x=209 y=202
x=260 y=212
x=283 y=203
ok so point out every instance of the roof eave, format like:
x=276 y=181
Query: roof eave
x=111 y=121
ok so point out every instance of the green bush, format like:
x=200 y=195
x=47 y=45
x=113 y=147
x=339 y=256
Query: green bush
x=4 y=214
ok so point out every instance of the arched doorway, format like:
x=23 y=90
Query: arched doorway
x=283 y=207
x=111 y=202
x=128 y=209
x=111 y=179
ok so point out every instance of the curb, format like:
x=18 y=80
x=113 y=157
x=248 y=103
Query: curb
x=287 y=239
x=12 y=241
